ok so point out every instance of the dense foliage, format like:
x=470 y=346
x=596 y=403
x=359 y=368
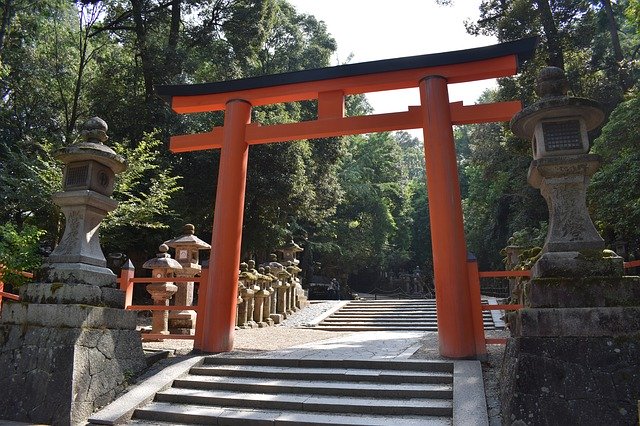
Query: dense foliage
x=357 y=204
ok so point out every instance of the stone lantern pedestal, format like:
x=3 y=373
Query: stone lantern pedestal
x=69 y=347
x=573 y=356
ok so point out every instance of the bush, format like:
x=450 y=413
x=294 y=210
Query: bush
x=19 y=251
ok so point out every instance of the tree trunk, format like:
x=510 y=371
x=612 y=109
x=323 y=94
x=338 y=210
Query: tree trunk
x=145 y=58
x=6 y=20
x=172 y=64
x=615 y=42
x=554 y=47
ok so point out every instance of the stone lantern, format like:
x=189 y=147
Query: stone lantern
x=557 y=126
x=90 y=169
x=275 y=285
x=162 y=266
x=69 y=347
x=187 y=247
x=260 y=296
x=281 y=285
x=247 y=289
x=289 y=251
x=573 y=351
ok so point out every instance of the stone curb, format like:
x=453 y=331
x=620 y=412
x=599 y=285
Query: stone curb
x=469 y=401
x=121 y=410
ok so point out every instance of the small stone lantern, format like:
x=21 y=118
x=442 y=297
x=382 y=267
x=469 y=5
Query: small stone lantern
x=289 y=251
x=187 y=247
x=557 y=126
x=162 y=266
x=88 y=182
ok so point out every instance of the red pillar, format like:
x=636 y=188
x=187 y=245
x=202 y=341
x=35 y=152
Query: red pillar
x=220 y=307
x=453 y=303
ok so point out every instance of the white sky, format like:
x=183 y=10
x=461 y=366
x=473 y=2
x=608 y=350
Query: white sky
x=383 y=29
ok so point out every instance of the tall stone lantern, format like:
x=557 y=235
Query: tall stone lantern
x=69 y=346
x=90 y=169
x=557 y=126
x=162 y=266
x=187 y=247
x=572 y=357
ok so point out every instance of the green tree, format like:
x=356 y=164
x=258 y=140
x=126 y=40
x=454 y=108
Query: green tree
x=143 y=192
x=19 y=251
x=614 y=191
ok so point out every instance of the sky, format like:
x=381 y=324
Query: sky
x=384 y=29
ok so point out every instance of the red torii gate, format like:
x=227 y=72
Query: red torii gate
x=431 y=73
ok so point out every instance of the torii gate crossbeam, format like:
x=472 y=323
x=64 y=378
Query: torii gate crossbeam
x=436 y=115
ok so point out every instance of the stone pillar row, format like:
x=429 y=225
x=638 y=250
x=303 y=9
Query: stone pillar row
x=269 y=294
x=266 y=295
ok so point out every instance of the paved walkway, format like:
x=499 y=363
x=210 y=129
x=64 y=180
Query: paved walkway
x=358 y=345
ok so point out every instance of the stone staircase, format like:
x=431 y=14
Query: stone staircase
x=382 y=315
x=276 y=391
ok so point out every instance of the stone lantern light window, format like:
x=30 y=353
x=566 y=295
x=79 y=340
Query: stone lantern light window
x=88 y=175
x=563 y=136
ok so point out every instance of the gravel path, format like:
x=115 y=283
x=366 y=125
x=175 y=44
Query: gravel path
x=281 y=336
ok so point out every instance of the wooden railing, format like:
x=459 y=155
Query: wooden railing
x=632 y=264
x=474 y=282
x=478 y=307
x=6 y=294
x=127 y=281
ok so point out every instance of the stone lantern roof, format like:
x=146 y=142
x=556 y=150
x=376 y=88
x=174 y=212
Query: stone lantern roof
x=162 y=260
x=92 y=147
x=291 y=247
x=552 y=87
x=188 y=239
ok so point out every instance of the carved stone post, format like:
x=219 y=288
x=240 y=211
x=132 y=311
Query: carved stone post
x=283 y=293
x=297 y=292
x=268 y=282
x=260 y=295
x=248 y=295
x=275 y=286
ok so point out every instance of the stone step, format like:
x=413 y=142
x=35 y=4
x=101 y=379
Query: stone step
x=280 y=391
x=408 y=321
x=280 y=386
x=158 y=413
x=344 y=364
x=308 y=402
x=385 y=325
x=373 y=375
x=411 y=314
x=408 y=309
x=373 y=328
x=348 y=314
x=391 y=315
x=395 y=302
